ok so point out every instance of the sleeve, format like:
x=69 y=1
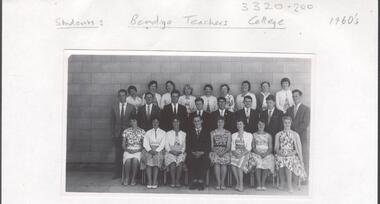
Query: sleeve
x=254 y=102
x=188 y=144
x=232 y=102
x=249 y=141
x=279 y=107
x=159 y=101
x=184 y=143
x=306 y=119
x=167 y=144
x=162 y=142
x=207 y=147
x=113 y=122
x=143 y=102
x=146 y=144
x=233 y=148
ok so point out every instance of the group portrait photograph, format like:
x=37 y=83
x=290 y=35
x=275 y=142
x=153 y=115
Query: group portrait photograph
x=189 y=124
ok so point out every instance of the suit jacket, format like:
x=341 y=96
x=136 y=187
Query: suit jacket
x=301 y=120
x=229 y=120
x=144 y=122
x=206 y=117
x=250 y=124
x=167 y=115
x=275 y=124
x=198 y=143
x=117 y=124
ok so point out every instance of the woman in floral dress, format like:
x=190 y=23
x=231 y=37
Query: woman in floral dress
x=132 y=145
x=262 y=155
x=288 y=151
x=220 y=152
x=175 y=145
x=241 y=146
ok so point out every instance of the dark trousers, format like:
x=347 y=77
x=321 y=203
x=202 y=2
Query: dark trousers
x=198 y=166
x=118 y=155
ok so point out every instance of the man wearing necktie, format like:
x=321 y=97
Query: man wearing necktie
x=120 y=115
x=147 y=112
x=248 y=115
x=174 y=109
x=300 y=114
x=198 y=144
x=272 y=117
x=226 y=114
x=199 y=104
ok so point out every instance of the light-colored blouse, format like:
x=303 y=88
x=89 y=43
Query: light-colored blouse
x=230 y=102
x=136 y=102
x=188 y=102
x=264 y=105
x=156 y=100
x=247 y=138
x=284 y=97
x=154 y=139
x=210 y=103
x=240 y=99
x=166 y=99
x=175 y=142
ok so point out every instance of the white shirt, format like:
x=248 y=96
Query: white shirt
x=175 y=107
x=247 y=111
x=264 y=105
x=188 y=102
x=296 y=106
x=121 y=106
x=150 y=139
x=210 y=101
x=221 y=112
x=199 y=112
x=156 y=99
x=148 y=109
x=247 y=137
x=170 y=141
x=240 y=99
x=283 y=97
x=166 y=99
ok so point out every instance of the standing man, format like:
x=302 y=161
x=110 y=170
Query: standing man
x=120 y=114
x=301 y=121
x=226 y=114
x=249 y=116
x=205 y=116
x=272 y=117
x=174 y=109
x=147 y=112
x=198 y=144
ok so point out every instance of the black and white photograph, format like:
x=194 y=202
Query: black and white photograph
x=189 y=123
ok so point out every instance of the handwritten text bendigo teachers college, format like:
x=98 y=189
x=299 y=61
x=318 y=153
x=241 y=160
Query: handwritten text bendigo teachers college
x=195 y=21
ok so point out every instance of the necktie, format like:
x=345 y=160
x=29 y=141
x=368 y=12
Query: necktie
x=269 y=115
x=174 y=110
x=208 y=106
x=148 y=112
x=198 y=113
x=155 y=134
x=247 y=114
x=221 y=113
x=295 y=110
x=122 y=112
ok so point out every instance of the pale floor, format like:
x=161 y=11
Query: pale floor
x=90 y=181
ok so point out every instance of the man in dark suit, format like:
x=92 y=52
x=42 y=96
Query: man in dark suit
x=198 y=144
x=249 y=116
x=174 y=109
x=223 y=112
x=272 y=117
x=120 y=114
x=199 y=112
x=147 y=112
x=301 y=121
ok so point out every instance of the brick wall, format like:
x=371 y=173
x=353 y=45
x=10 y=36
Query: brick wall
x=93 y=82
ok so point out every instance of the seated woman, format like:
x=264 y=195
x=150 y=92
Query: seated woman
x=220 y=155
x=132 y=145
x=262 y=155
x=288 y=156
x=154 y=143
x=241 y=146
x=175 y=144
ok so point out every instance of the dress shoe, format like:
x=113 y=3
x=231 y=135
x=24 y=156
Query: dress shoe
x=201 y=186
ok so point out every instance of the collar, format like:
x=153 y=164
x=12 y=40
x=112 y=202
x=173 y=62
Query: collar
x=271 y=110
x=262 y=93
x=298 y=105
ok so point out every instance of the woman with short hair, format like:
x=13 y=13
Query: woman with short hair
x=152 y=87
x=284 y=97
x=133 y=98
x=230 y=101
x=166 y=97
x=245 y=91
x=187 y=99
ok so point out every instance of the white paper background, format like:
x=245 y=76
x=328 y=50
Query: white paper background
x=344 y=88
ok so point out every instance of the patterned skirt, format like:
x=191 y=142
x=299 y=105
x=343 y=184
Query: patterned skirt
x=223 y=160
x=263 y=163
x=170 y=158
x=148 y=159
x=242 y=162
x=293 y=163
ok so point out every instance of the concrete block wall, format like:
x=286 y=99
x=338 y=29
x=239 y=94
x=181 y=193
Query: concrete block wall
x=93 y=82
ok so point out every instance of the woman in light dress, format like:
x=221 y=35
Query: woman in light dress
x=284 y=97
x=230 y=101
x=133 y=99
x=288 y=154
x=132 y=145
x=262 y=155
x=210 y=101
x=187 y=100
x=220 y=154
x=175 y=155
x=154 y=144
x=241 y=146
x=166 y=97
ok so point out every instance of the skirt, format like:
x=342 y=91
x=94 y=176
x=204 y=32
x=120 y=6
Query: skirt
x=128 y=155
x=148 y=159
x=243 y=162
x=222 y=160
x=263 y=163
x=170 y=158
x=293 y=163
